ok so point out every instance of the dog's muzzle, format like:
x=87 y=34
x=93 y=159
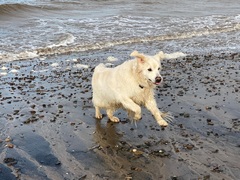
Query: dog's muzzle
x=158 y=80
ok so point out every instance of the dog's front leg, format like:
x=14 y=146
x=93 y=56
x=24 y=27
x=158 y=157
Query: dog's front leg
x=151 y=105
x=132 y=107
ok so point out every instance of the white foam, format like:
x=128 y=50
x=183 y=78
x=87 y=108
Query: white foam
x=237 y=17
x=68 y=68
x=109 y=64
x=40 y=71
x=54 y=64
x=3 y=73
x=81 y=66
x=4 y=68
x=64 y=40
x=42 y=58
x=111 y=59
x=14 y=71
x=73 y=60
x=20 y=56
x=28 y=54
x=174 y=55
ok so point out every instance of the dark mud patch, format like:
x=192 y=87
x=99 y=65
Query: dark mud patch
x=6 y=172
x=41 y=152
x=20 y=165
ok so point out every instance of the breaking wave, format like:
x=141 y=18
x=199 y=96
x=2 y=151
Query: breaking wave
x=16 y=9
x=66 y=46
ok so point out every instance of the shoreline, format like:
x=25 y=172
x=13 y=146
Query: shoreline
x=47 y=114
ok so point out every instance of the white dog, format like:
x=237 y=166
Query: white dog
x=129 y=86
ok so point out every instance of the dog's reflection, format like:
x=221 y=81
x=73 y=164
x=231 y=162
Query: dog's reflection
x=106 y=135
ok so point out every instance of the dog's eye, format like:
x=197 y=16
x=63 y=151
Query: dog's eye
x=150 y=69
x=159 y=68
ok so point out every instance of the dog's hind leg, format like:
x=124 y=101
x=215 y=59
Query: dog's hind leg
x=98 y=114
x=111 y=116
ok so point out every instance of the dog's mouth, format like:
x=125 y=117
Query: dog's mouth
x=157 y=83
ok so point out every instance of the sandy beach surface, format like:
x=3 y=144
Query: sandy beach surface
x=48 y=129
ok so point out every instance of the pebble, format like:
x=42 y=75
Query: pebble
x=58 y=163
x=174 y=178
x=9 y=145
x=137 y=152
x=8 y=139
x=72 y=123
x=186 y=115
x=10 y=161
x=188 y=146
x=209 y=122
x=160 y=153
x=60 y=106
x=208 y=108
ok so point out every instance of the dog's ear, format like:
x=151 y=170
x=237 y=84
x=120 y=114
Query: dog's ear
x=160 y=56
x=140 y=57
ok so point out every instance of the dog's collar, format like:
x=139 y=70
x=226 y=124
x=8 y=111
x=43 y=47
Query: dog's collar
x=141 y=86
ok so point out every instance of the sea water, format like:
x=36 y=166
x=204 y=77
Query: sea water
x=36 y=28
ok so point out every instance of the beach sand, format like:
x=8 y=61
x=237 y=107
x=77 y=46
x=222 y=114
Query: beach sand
x=48 y=129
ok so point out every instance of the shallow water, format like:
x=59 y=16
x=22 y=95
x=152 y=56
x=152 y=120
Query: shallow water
x=33 y=28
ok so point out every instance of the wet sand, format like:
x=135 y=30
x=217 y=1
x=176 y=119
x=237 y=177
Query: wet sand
x=48 y=130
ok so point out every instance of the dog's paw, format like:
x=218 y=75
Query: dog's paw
x=162 y=123
x=137 y=116
x=114 y=119
x=168 y=117
x=99 y=116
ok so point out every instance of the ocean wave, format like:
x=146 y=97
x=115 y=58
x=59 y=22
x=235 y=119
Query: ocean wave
x=17 y=9
x=13 y=8
x=64 y=40
x=65 y=45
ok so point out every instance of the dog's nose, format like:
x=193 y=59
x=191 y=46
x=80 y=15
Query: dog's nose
x=158 y=79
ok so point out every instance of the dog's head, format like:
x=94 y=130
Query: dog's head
x=149 y=66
